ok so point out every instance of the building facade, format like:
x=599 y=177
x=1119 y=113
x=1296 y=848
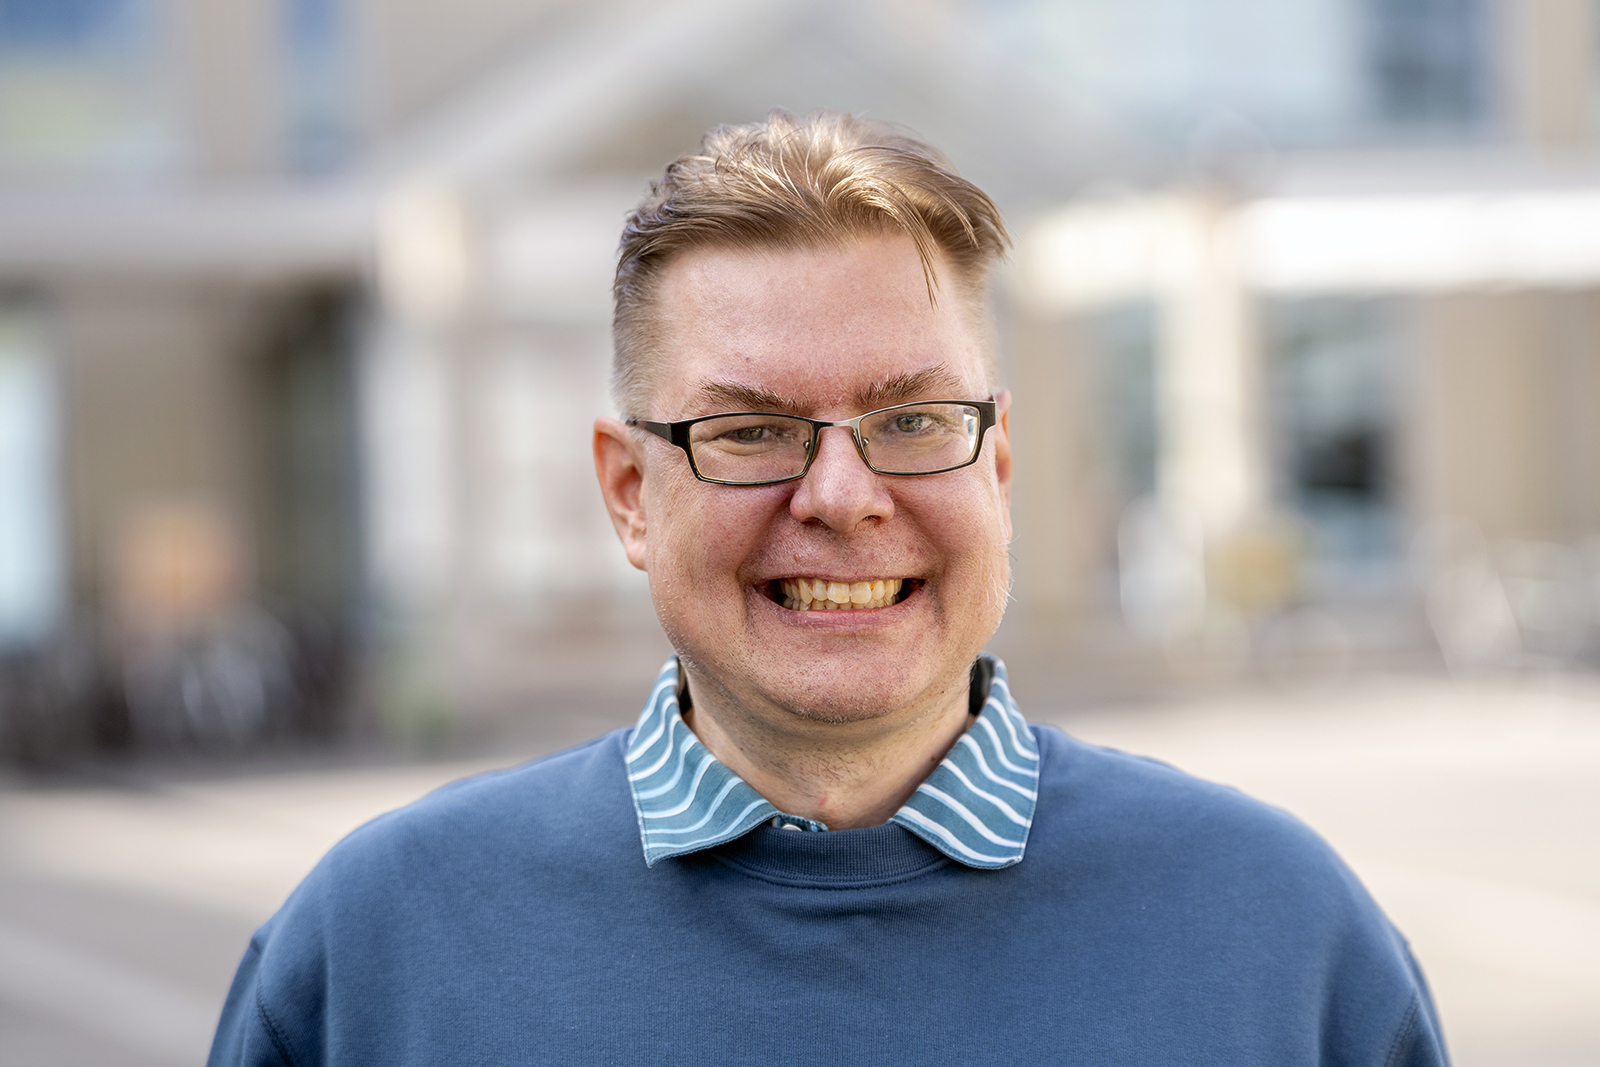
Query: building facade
x=306 y=314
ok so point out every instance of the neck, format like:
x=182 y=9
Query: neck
x=847 y=775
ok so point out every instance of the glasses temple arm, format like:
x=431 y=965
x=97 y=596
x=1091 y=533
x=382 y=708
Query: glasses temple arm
x=662 y=430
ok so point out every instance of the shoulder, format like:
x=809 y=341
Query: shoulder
x=1192 y=877
x=419 y=890
x=1098 y=788
x=530 y=823
x=544 y=794
x=556 y=803
x=1151 y=824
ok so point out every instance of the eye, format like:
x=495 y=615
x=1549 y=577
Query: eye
x=911 y=422
x=747 y=434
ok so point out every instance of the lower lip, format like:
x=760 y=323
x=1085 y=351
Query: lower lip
x=841 y=619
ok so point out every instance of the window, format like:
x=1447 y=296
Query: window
x=317 y=77
x=31 y=579
x=1332 y=372
x=1124 y=343
x=83 y=88
x=1428 y=61
x=66 y=26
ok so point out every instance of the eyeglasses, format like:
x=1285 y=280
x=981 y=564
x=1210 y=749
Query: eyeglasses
x=764 y=448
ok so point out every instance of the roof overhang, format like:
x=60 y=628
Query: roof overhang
x=262 y=232
x=1103 y=252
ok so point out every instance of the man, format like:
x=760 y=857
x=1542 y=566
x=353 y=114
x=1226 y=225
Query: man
x=832 y=838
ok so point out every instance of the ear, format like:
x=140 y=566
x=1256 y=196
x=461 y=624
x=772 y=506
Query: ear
x=619 y=464
x=1001 y=433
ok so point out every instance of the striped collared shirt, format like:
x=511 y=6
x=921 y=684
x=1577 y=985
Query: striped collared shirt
x=976 y=806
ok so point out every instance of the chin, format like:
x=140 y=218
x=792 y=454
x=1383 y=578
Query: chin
x=858 y=685
x=842 y=712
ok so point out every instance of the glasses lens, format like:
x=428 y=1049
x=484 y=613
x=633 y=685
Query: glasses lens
x=921 y=438
x=750 y=448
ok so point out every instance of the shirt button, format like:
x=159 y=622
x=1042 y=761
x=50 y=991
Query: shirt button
x=790 y=826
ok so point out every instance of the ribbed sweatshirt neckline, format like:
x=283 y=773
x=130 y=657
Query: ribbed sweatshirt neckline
x=838 y=859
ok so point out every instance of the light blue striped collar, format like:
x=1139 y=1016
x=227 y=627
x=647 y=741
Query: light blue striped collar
x=976 y=806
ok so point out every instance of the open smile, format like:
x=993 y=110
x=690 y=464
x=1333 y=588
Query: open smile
x=820 y=594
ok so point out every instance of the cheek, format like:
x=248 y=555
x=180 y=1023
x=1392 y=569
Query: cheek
x=669 y=514
x=701 y=534
x=970 y=527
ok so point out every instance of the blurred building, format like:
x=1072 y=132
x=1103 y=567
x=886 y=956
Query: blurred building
x=1337 y=390
x=304 y=315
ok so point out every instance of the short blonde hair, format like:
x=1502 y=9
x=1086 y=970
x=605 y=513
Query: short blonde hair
x=796 y=183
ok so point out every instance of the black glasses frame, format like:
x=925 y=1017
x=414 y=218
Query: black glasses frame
x=678 y=433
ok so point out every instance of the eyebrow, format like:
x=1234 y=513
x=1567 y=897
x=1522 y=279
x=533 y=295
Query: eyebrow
x=735 y=397
x=732 y=396
x=902 y=387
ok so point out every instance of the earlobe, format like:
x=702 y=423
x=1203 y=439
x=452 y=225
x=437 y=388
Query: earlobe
x=619 y=465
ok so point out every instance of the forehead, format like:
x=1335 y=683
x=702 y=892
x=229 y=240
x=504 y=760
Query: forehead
x=824 y=328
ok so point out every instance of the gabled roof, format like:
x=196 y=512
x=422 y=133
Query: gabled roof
x=619 y=92
x=660 y=78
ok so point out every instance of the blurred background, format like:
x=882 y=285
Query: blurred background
x=304 y=318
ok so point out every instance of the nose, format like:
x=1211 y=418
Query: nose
x=840 y=490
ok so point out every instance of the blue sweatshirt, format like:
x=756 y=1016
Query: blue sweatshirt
x=511 y=919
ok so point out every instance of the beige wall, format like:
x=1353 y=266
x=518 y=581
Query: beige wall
x=1549 y=54
x=413 y=53
x=1059 y=503
x=230 y=63
x=1505 y=413
x=229 y=67
x=157 y=411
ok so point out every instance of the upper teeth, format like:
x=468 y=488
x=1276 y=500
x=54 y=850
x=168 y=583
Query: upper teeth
x=807 y=594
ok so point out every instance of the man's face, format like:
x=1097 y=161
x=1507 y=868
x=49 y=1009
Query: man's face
x=828 y=334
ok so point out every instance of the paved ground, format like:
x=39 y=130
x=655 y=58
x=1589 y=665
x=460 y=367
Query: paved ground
x=1472 y=812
